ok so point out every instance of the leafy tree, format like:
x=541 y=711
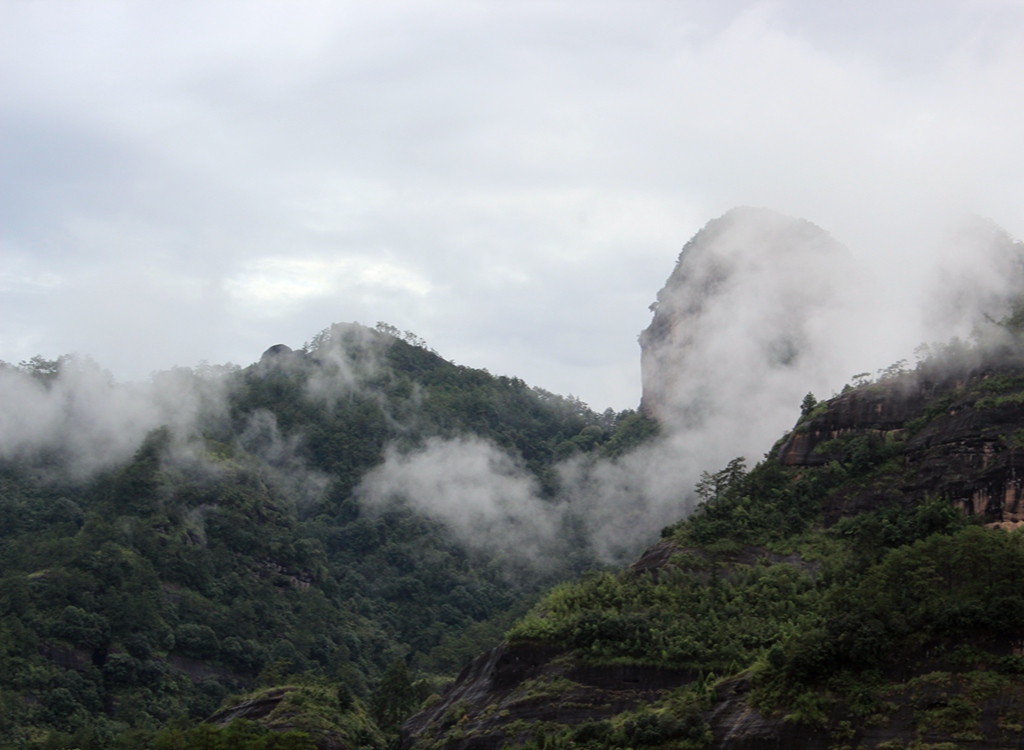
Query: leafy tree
x=395 y=697
x=808 y=404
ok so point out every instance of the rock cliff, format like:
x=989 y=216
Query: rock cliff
x=751 y=299
x=959 y=434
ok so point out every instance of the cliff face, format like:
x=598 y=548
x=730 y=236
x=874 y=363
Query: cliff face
x=961 y=438
x=515 y=691
x=506 y=694
x=750 y=299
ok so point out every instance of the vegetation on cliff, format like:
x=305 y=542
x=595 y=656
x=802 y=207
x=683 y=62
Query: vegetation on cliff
x=862 y=581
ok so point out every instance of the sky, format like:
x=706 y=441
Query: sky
x=512 y=181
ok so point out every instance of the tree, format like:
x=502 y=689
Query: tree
x=395 y=698
x=714 y=486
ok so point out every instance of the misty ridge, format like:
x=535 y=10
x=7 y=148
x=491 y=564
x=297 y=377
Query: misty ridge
x=760 y=310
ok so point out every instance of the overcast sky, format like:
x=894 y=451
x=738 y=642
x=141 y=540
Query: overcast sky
x=512 y=181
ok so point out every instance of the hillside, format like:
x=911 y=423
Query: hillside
x=859 y=587
x=235 y=553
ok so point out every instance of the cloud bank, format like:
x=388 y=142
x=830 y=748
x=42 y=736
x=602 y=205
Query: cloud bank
x=79 y=420
x=760 y=310
x=189 y=181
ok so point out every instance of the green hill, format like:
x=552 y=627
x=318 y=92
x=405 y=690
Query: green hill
x=134 y=601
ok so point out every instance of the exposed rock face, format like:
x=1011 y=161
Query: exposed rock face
x=737 y=726
x=963 y=443
x=750 y=300
x=515 y=686
x=250 y=709
x=277 y=350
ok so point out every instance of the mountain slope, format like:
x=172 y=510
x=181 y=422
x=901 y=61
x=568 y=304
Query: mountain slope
x=233 y=551
x=857 y=588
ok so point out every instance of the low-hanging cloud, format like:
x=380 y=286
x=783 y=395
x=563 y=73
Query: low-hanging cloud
x=282 y=456
x=478 y=490
x=760 y=310
x=977 y=278
x=71 y=420
x=78 y=418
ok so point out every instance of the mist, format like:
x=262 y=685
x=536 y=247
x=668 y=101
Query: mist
x=480 y=492
x=72 y=414
x=760 y=310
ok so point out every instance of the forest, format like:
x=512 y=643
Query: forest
x=136 y=602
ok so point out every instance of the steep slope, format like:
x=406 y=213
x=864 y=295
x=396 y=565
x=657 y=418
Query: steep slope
x=857 y=588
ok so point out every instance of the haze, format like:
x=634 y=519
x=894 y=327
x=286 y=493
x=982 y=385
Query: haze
x=511 y=181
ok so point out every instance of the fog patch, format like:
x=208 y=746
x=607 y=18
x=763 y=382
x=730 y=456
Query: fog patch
x=760 y=310
x=72 y=414
x=978 y=277
x=347 y=356
x=752 y=317
x=478 y=490
x=282 y=455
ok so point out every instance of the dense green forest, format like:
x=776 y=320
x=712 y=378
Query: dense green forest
x=136 y=602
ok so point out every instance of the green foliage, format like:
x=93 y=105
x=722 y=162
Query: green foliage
x=769 y=504
x=395 y=698
x=870 y=535
x=679 y=619
x=132 y=604
x=821 y=632
x=203 y=566
x=942 y=588
x=632 y=429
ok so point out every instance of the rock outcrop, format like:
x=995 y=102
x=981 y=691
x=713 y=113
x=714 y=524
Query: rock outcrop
x=959 y=437
x=750 y=297
x=504 y=694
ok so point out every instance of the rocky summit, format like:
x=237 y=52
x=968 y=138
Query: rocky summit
x=753 y=292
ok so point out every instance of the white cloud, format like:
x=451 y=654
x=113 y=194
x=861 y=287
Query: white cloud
x=531 y=169
x=270 y=287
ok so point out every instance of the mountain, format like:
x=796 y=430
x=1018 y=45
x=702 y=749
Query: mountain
x=859 y=587
x=749 y=308
x=304 y=552
x=251 y=542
